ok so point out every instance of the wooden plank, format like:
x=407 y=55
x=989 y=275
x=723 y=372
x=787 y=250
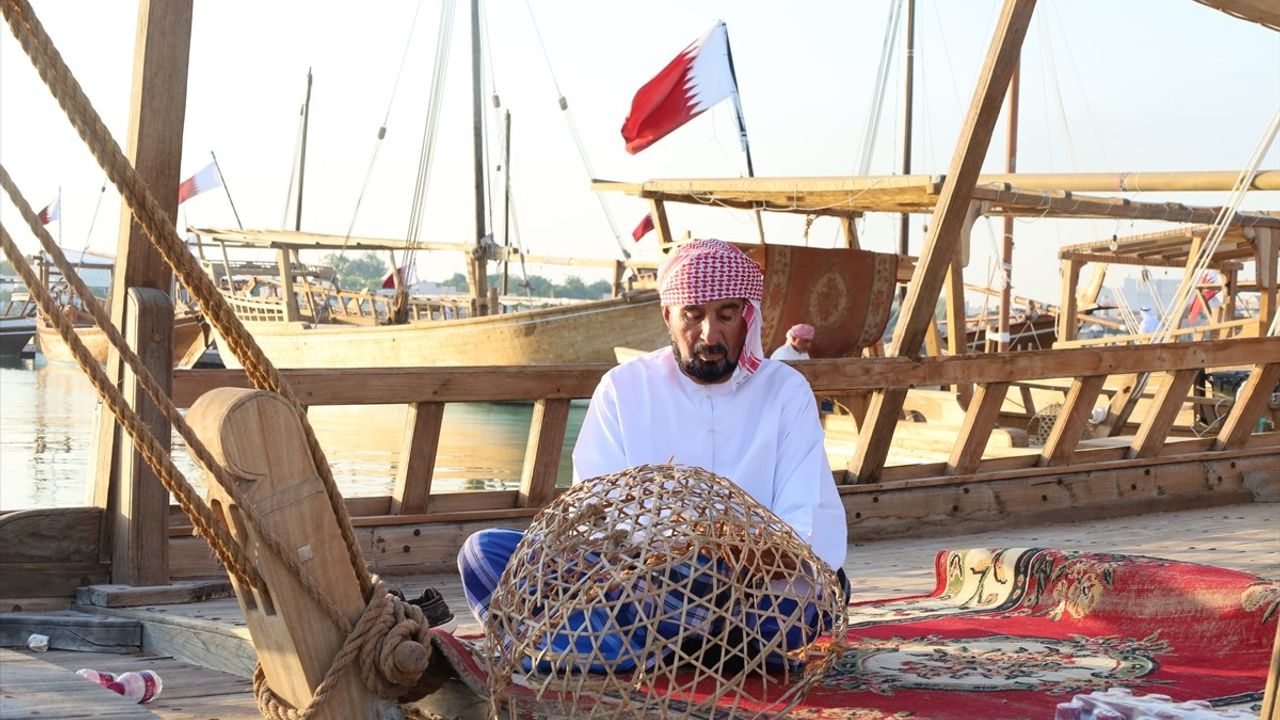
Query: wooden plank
x=138 y=512
x=72 y=631
x=132 y=596
x=1267 y=258
x=957 y=332
x=1252 y=400
x=157 y=110
x=258 y=437
x=661 y=224
x=393 y=386
x=417 y=457
x=50 y=535
x=1164 y=410
x=542 y=453
x=50 y=579
x=876 y=435
x=850 y=228
x=1072 y=420
x=978 y=422
x=31 y=688
x=1068 y=323
x=287 y=294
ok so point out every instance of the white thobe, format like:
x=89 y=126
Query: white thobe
x=763 y=434
x=786 y=352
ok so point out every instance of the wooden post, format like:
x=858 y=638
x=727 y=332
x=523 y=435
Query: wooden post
x=542 y=454
x=850 y=232
x=291 y=312
x=1250 y=402
x=1266 y=243
x=417 y=463
x=661 y=225
x=1072 y=420
x=1271 y=691
x=1006 y=243
x=979 y=419
x=1068 y=323
x=158 y=105
x=945 y=228
x=258 y=437
x=1160 y=416
x=138 y=505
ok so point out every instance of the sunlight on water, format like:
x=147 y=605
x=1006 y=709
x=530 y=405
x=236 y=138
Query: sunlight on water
x=48 y=414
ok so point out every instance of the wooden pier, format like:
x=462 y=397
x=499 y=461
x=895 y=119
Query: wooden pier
x=203 y=653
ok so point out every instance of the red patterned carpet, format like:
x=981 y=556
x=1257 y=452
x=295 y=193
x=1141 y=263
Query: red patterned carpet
x=1009 y=634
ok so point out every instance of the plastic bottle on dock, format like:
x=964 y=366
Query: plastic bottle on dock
x=102 y=678
x=142 y=686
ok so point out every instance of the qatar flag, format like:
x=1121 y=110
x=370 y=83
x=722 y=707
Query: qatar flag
x=699 y=77
x=206 y=179
x=51 y=212
x=644 y=228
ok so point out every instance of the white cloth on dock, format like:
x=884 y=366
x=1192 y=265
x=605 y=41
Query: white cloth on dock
x=763 y=434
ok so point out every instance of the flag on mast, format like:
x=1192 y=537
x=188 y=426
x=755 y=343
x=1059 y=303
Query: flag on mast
x=51 y=212
x=206 y=179
x=644 y=228
x=698 y=78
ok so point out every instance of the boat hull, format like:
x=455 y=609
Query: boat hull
x=189 y=341
x=15 y=333
x=584 y=333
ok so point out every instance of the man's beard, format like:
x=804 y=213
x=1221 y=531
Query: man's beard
x=712 y=371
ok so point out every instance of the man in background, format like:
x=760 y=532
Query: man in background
x=799 y=340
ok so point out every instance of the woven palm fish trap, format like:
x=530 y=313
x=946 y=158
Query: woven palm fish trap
x=660 y=591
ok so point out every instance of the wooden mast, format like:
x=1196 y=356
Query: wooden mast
x=134 y=535
x=1006 y=247
x=478 y=268
x=949 y=220
x=908 y=98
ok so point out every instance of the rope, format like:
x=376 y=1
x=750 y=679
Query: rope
x=160 y=231
x=392 y=642
x=205 y=522
x=227 y=550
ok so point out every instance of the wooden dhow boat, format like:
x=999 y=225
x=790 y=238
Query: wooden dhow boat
x=278 y=520
x=304 y=324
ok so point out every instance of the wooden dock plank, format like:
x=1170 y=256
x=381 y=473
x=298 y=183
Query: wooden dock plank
x=30 y=686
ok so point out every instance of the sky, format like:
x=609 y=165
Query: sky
x=1144 y=85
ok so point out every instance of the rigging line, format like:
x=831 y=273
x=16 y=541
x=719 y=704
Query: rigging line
x=493 y=185
x=293 y=173
x=431 y=123
x=577 y=136
x=92 y=220
x=1219 y=228
x=382 y=130
x=1075 y=72
x=872 y=123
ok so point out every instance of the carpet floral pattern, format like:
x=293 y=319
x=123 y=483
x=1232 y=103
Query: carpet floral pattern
x=1010 y=633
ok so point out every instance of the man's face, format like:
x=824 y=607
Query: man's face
x=801 y=344
x=707 y=338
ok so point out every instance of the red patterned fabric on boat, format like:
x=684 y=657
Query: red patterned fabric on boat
x=845 y=294
x=1011 y=633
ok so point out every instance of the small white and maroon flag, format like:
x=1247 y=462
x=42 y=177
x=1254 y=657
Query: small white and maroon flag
x=51 y=212
x=206 y=179
x=699 y=77
x=644 y=228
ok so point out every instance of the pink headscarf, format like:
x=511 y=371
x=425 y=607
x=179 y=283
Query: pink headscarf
x=801 y=331
x=707 y=270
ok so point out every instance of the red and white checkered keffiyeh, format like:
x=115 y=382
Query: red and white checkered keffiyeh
x=707 y=270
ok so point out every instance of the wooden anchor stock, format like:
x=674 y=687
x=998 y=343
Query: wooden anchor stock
x=258 y=437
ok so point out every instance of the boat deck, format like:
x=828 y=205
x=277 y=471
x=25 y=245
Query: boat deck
x=212 y=633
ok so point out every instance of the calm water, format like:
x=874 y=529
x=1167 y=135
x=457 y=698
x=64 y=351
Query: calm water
x=48 y=414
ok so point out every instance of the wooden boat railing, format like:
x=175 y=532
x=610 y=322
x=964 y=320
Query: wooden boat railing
x=428 y=390
x=1243 y=327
